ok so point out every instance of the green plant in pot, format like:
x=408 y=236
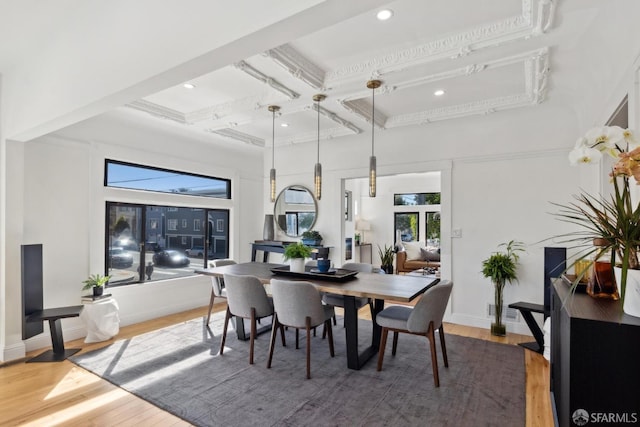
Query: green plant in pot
x=312 y=238
x=386 y=258
x=501 y=268
x=296 y=254
x=96 y=282
x=613 y=222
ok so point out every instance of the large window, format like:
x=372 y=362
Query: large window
x=138 y=177
x=148 y=236
x=416 y=199
x=407 y=224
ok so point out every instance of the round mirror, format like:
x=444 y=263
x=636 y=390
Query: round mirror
x=295 y=210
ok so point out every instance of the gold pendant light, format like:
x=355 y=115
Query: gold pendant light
x=373 y=85
x=317 y=171
x=272 y=173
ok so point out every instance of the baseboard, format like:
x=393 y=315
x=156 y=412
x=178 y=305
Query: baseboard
x=13 y=352
x=483 y=322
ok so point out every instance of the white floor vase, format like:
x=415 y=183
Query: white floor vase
x=631 y=304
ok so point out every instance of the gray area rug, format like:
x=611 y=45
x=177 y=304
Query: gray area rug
x=178 y=369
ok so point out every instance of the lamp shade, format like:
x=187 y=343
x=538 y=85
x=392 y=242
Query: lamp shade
x=363 y=225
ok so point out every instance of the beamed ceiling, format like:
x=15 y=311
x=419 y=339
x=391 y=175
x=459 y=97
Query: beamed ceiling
x=486 y=61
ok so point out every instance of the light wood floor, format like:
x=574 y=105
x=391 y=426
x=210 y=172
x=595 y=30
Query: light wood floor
x=50 y=394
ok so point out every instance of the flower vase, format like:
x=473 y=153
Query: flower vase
x=498 y=328
x=631 y=300
x=296 y=265
x=268 y=231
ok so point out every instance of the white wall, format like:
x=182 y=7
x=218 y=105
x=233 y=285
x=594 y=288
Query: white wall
x=499 y=174
x=62 y=206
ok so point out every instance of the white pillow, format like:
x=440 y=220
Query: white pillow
x=413 y=250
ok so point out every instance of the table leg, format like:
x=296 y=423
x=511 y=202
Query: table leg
x=356 y=359
x=242 y=333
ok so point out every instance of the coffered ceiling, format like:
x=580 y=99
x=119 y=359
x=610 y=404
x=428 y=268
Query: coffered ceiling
x=482 y=61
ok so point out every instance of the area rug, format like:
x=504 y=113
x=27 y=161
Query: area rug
x=178 y=369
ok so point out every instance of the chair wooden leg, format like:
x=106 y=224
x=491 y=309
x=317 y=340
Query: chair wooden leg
x=444 y=347
x=274 y=330
x=307 y=322
x=395 y=343
x=211 y=300
x=383 y=344
x=329 y=329
x=224 y=330
x=434 y=359
x=253 y=334
x=335 y=322
x=284 y=343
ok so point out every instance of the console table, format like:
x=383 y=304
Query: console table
x=365 y=253
x=278 y=247
x=594 y=358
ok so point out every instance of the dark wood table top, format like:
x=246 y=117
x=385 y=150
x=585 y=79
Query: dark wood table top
x=371 y=285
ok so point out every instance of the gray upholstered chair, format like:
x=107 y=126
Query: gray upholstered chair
x=298 y=305
x=217 y=284
x=423 y=319
x=246 y=298
x=338 y=300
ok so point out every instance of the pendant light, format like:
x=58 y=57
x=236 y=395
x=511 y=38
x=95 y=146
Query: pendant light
x=317 y=171
x=373 y=85
x=272 y=173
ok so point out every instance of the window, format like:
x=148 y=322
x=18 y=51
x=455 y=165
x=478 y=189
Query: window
x=433 y=228
x=407 y=224
x=184 y=223
x=148 y=178
x=142 y=235
x=416 y=199
x=196 y=225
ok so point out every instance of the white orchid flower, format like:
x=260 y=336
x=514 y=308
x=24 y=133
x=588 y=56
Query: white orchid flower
x=584 y=155
x=607 y=139
x=630 y=139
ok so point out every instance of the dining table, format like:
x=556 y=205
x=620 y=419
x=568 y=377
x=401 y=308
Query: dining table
x=376 y=286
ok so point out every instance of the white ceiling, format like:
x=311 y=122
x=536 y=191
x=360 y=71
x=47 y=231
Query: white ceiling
x=483 y=61
x=554 y=56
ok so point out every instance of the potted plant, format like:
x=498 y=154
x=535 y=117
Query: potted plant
x=357 y=238
x=97 y=282
x=296 y=253
x=501 y=267
x=386 y=258
x=613 y=222
x=312 y=238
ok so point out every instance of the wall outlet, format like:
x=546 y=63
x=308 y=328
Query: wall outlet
x=456 y=232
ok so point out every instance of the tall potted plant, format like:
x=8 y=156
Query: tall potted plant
x=501 y=268
x=386 y=258
x=296 y=254
x=614 y=221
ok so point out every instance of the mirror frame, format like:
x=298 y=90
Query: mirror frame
x=281 y=198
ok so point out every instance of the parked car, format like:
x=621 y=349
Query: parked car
x=195 y=251
x=119 y=258
x=170 y=258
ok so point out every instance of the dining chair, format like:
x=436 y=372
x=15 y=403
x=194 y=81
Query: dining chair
x=423 y=319
x=298 y=305
x=338 y=300
x=217 y=284
x=247 y=299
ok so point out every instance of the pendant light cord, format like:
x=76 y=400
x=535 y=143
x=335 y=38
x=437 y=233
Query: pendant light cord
x=273 y=139
x=318 y=108
x=373 y=117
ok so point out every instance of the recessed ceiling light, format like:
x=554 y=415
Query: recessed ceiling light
x=384 y=14
x=284 y=125
x=439 y=92
x=189 y=85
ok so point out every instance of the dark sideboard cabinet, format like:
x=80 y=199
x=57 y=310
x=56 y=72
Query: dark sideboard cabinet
x=595 y=360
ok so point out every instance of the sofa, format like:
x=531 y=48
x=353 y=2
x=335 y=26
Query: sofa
x=414 y=256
